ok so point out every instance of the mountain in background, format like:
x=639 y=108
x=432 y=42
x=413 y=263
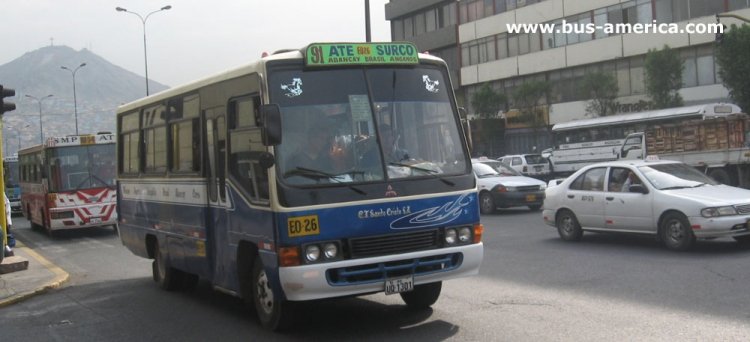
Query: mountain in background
x=100 y=87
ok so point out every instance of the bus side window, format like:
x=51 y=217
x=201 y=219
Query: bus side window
x=246 y=149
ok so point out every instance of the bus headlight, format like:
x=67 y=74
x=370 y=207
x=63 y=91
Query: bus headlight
x=464 y=234
x=330 y=250
x=312 y=253
x=450 y=236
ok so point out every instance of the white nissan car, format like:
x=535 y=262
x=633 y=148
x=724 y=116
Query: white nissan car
x=669 y=200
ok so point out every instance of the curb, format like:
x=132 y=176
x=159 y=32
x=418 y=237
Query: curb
x=60 y=278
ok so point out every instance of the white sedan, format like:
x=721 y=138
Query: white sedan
x=669 y=200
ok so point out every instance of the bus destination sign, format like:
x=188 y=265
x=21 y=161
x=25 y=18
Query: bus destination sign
x=331 y=54
x=77 y=140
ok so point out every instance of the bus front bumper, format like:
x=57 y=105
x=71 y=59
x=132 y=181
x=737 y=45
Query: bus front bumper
x=351 y=277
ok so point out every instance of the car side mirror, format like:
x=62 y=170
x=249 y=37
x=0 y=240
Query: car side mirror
x=638 y=188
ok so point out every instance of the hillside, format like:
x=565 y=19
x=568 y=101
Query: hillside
x=100 y=87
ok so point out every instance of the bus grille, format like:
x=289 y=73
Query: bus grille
x=743 y=209
x=393 y=243
x=378 y=272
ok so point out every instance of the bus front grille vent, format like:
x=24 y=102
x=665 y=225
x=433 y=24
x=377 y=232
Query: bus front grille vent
x=393 y=243
x=379 y=272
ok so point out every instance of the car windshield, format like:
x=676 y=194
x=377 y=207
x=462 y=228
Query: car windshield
x=492 y=169
x=675 y=176
x=535 y=159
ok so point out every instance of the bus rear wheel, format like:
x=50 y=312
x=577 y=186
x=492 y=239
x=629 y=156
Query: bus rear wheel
x=423 y=296
x=164 y=275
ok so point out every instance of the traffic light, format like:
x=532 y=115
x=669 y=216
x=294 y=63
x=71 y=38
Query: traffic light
x=720 y=34
x=6 y=106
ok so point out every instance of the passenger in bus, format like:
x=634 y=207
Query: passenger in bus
x=315 y=152
x=391 y=151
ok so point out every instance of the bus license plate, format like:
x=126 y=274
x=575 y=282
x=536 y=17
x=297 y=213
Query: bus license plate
x=398 y=285
x=95 y=220
x=530 y=198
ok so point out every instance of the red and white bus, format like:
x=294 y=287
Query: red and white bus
x=69 y=182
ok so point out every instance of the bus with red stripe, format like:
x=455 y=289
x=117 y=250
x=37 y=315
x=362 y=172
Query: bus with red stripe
x=69 y=182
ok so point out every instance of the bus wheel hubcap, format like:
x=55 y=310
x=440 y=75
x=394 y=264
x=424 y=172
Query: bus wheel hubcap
x=265 y=294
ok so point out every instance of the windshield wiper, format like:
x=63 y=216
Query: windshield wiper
x=318 y=175
x=487 y=175
x=429 y=172
x=699 y=185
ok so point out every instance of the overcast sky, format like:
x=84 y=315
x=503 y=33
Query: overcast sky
x=195 y=38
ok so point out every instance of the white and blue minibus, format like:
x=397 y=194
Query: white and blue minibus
x=335 y=170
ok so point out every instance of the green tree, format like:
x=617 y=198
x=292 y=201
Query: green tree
x=664 y=77
x=528 y=98
x=732 y=56
x=487 y=102
x=602 y=89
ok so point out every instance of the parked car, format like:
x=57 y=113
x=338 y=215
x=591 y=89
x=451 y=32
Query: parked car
x=502 y=187
x=531 y=165
x=669 y=200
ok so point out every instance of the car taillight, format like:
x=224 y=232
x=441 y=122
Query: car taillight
x=525 y=169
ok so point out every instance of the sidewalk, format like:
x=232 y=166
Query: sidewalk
x=40 y=276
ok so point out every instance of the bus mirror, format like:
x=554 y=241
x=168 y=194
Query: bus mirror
x=266 y=160
x=462 y=112
x=271 y=125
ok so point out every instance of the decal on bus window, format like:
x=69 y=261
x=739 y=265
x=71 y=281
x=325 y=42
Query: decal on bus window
x=293 y=89
x=429 y=84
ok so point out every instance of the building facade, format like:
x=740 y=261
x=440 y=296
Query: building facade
x=489 y=53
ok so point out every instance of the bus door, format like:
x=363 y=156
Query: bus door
x=217 y=219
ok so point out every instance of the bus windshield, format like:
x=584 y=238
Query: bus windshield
x=81 y=167
x=365 y=124
x=11 y=174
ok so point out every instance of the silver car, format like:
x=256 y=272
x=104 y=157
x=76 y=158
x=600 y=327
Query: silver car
x=669 y=200
x=500 y=186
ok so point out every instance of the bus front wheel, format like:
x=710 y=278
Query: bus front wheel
x=273 y=312
x=423 y=296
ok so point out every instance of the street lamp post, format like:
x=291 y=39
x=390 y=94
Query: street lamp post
x=75 y=100
x=39 y=101
x=143 y=20
x=368 y=37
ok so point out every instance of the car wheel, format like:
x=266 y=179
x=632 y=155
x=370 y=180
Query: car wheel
x=568 y=227
x=535 y=207
x=423 y=296
x=676 y=232
x=486 y=203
